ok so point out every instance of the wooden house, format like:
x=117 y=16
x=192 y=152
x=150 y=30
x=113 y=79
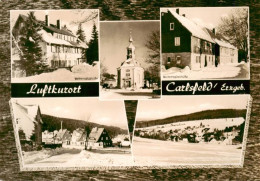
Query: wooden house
x=98 y=138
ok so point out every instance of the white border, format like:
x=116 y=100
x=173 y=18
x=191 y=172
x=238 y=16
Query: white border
x=29 y=10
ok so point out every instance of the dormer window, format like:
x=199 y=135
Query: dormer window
x=171 y=26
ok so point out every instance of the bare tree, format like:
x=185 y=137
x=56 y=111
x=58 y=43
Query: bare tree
x=234 y=27
x=152 y=74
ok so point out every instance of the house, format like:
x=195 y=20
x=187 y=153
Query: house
x=185 y=43
x=29 y=122
x=60 y=47
x=98 y=138
x=77 y=140
x=130 y=74
x=224 y=51
x=48 y=137
x=63 y=136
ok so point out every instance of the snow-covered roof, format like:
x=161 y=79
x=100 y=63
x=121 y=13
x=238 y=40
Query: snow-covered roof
x=25 y=118
x=130 y=63
x=219 y=39
x=192 y=27
x=96 y=133
x=48 y=38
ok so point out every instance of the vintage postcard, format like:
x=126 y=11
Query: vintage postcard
x=71 y=133
x=54 y=45
x=130 y=60
x=205 y=43
x=191 y=131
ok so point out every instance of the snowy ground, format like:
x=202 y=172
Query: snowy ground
x=78 y=158
x=106 y=94
x=231 y=70
x=219 y=124
x=149 y=152
x=82 y=72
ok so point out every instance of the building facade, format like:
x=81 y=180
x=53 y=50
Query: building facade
x=130 y=74
x=60 y=47
x=184 y=43
x=98 y=138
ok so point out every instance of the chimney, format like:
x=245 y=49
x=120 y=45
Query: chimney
x=47 y=22
x=59 y=24
x=214 y=31
x=177 y=10
x=183 y=15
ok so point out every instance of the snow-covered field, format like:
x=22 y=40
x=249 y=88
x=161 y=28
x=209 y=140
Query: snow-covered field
x=222 y=71
x=77 y=158
x=150 y=152
x=219 y=124
x=82 y=72
x=106 y=94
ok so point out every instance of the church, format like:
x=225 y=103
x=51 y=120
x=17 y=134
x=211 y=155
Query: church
x=130 y=74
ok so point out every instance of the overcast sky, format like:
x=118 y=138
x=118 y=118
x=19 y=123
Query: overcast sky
x=114 y=38
x=111 y=113
x=70 y=18
x=179 y=105
x=206 y=16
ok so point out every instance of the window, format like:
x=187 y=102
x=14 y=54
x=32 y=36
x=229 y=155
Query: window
x=127 y=74
x=177 y=41
x=178 y=59
x=171 y=26
x=169 y=60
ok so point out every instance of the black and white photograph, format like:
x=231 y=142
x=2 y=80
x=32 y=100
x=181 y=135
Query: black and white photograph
x=130 y=60
x=201 y=43
x=54 y=45
x=71 y=133
x=191 y=131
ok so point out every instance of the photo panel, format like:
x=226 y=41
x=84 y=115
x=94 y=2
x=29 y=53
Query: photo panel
x=191 y=131
x=200 y=43
x=54 y=45
x=130 y=60
x=71 y=134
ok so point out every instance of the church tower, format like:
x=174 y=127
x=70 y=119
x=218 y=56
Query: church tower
x=130 y=49
x=130 y=74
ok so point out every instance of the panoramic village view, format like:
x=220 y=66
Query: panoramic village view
x=51 y=134
x=130 y=60
x=205 y=43
x=208 y=132
x=54 y=45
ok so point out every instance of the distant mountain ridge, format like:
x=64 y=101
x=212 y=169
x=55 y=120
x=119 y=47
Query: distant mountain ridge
x=207 y=114
x=52 y=123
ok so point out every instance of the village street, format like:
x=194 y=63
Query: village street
x=232 y=70
x=127 y=94
x=156 y=152
x=82 y=158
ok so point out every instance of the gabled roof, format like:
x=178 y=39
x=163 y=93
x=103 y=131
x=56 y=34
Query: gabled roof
x=82 y=134
x=192 y=27
x=219 y=39
x=96 y=133
x=25 y=118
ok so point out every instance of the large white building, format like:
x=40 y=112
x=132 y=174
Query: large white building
x=60 y=47
x=130 y=74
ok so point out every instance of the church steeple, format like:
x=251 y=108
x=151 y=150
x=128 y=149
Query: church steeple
x=130 y=48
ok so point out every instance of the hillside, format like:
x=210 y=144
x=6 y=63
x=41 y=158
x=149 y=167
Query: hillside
x=52 y=123
x=208 y=114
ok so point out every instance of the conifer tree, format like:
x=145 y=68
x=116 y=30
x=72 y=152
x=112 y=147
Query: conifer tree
x=92 y=51
x=80 y=33
x=31 y=54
